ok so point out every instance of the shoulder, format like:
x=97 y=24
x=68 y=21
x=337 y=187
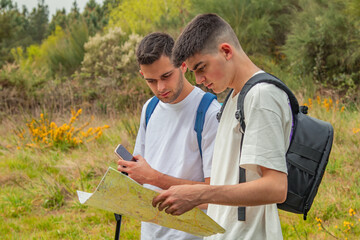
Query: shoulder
x=214 y=105
x=266 y=95
x=145 y=106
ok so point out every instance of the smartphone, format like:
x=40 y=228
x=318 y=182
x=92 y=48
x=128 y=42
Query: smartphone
x=122 y=153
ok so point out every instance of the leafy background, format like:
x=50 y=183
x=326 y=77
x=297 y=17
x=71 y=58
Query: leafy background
x=70 y=92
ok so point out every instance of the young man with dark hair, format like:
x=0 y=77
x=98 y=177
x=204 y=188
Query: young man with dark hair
x=211 y=50
x=168 y=140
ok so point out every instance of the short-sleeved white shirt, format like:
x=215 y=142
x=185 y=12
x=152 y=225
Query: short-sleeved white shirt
x=169 y=144
x=268 y=122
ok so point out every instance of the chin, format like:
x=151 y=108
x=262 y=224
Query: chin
x=217 y=90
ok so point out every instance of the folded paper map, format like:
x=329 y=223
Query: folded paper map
x=120 y=194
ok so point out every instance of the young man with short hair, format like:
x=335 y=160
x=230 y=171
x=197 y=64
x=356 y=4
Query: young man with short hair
x=168 y=141
x=212 y=51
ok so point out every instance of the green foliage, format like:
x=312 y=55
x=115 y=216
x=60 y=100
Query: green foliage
x=61 y=53
x=59 y=19
x=149 y=15
x=65 y=52
x=261 y=25
x=13 y=31
x=95 y=16
x=303 y=86
x=38 y=22
x=325 y=41
x=55 y=199
x=53 y=70
x=16 y=204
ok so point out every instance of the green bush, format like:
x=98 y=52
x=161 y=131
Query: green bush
x=109 y=72
x=60 y=54
x=145 y=16
x=324 y=41
x=65 y=48
x=260 y=25
x=111 y=55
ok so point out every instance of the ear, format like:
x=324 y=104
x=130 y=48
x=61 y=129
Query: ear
x=226 y=50
x=183 y=67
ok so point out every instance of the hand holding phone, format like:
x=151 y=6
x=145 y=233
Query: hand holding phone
x=124 y=154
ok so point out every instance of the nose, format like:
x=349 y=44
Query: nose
x=161 y=86
x=199 y=78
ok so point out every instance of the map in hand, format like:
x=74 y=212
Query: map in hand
x=120 y=194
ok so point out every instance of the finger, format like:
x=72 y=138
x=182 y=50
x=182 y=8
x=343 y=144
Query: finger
x=121 y=162
x=162 y=206
x=121 y=168
x=155 y=201
x=171 y=210
x=138 y=158
x=165 y=204
x=158 y=199
x=177 y=212
x=124 y=163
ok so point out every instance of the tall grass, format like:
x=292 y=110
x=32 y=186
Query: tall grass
x=38 y=195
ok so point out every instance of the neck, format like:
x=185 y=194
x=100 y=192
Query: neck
x=187 y=88
x=244 y=70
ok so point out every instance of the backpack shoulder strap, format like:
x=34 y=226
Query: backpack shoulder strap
x=259 y=78
x=219 y=114
x=200 y=116
x=150 y=109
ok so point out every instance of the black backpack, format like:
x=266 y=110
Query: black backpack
x=308 y=152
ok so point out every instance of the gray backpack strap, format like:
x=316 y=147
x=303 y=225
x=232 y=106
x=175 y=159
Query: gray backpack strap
x=219 y=114
x=259 y=78
x=242 y=176
x=240 y=116
x=242 y=179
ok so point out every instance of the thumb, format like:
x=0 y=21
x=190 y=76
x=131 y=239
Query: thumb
x=139 y=158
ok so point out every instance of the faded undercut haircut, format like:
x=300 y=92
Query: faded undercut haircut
x=153 y=46
x=203 y=35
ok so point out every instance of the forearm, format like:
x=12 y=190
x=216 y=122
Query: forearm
x=270 y=188
x=165 y=181
x=266 y=190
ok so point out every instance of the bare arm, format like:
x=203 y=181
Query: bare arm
x=142 y=173
x=270 y=188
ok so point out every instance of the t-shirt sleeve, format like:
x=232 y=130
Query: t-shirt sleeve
x=268 y=124
x=208 y=137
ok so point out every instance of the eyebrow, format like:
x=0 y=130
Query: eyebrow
x=162 y=75
x=196 y=66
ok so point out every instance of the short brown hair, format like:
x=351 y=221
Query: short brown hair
x=203 y=34
x=153 y=46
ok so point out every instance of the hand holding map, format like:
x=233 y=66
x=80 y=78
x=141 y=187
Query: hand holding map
x=120 y=194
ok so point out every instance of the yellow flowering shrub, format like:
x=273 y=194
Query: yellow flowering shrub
x=326 y=103
x=42 y=133
x=351 y=224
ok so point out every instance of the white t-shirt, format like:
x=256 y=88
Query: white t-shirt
x=268 y=122
x=169 y=144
